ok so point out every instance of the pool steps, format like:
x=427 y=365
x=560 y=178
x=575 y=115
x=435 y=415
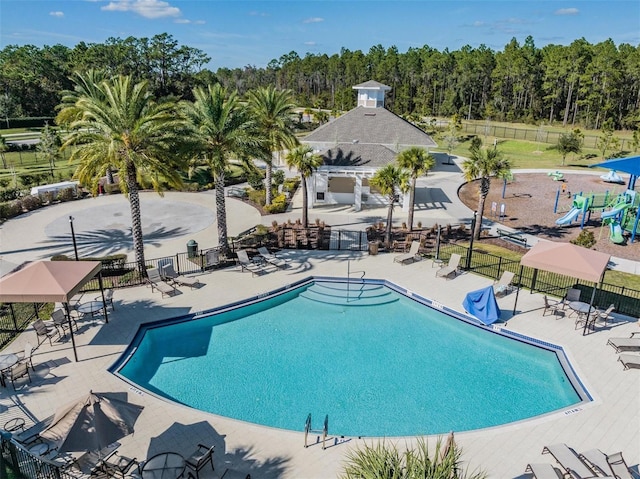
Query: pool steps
x=354 y=295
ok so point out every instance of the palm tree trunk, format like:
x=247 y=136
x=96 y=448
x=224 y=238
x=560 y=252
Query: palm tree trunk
x=305 y=203
x=221 y=214
x=110 y=179
x=387 y=236
x=412 y=200
x=136 y=220
x=485 y=184
x=267 y=181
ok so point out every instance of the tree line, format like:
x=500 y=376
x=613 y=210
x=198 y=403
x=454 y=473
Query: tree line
x=580 y=84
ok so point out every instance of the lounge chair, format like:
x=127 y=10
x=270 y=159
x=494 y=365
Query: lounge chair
x=451 y=269
x=32 y=433
x=44 y=331
x=629 y=361
x=503 y=286
x=598 y=462
x=409 y=257
x=619 y=466
x=247 y=265
x=552 y=306
x=569 y=461
x=544 y=471
x=170 y=274
x=116 y=466
x=155 y=280
x=271 y=258
x=625 y=344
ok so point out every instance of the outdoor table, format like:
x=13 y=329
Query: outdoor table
x=166 y=465
x=6 y=361
x=91 y=307
x=580 y=307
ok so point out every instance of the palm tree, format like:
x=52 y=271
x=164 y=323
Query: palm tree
x=484 y=163
x=303 y=159
x=272 y=110
x=223 y=132
x=118 y=123
x=388 y=180
x=3 y=149
x=417 y=161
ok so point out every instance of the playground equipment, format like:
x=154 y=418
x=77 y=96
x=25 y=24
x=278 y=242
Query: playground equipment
x=612 y=177
x=556 y=175
x=616 y=210
x=580 y=205
x=615 y=230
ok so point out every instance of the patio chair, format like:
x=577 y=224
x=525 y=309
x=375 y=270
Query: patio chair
x=604 y=315
x=155 y=280
x=544 y=471
x=170 y=274
x=629 y=361
x=59 y=321
x=26 y=355
x=44 y=331
x=625 y=344
x=451 y=269
x=271 y=258
x=552 y=306
x=409 y=257
x=503 y=286
x=573 y=294
x=619 y=466
x=117 y=465
x=569 y=461
x=17 y=371
x=199 y=458
x=108 y=297
x=246 y=264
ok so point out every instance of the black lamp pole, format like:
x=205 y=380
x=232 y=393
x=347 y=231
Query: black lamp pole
x=73 y=237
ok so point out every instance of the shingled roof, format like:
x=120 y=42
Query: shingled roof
x=371 y=85
x=376 y=126
x=350 y=154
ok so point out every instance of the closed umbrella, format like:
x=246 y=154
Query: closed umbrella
x=91 y=423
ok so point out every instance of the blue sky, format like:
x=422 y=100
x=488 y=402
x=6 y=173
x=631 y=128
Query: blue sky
x=236 y=33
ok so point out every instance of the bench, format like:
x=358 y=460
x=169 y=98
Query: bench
x=512 y=236
x=236 y=192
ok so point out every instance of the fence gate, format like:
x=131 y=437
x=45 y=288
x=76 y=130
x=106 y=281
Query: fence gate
x=348 y=240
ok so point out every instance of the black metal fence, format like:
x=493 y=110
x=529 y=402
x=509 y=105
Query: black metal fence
x=22 y=464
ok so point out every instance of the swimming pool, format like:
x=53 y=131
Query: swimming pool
x=377 y=359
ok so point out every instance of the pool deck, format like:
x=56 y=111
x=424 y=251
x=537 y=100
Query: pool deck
x=611 y=422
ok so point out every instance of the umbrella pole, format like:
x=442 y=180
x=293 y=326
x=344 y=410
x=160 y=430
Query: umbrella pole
x=73 y=340
x=586 y=321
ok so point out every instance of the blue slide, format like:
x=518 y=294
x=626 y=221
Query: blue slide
x=569 y=217
x=613 y=212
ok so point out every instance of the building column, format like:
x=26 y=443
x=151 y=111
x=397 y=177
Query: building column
x=357 y=191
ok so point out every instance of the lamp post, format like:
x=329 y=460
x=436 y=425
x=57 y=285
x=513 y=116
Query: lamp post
x=73 y=237
x=473 y=229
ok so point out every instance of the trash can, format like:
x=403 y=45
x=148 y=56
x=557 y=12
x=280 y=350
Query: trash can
x=192 y=248
x=373 y=248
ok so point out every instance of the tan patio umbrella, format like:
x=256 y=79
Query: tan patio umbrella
x=91 y=423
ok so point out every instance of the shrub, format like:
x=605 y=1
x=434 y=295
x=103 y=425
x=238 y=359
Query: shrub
x=10 y=209
x=112 y=188
x=256 y=196
x=8 y=195
x=278 y=205
x=31 y=202
x=67 y=194
x=255 y=180
x=585 y=239
x=291 y=184
x=277 y=177
x=47 y=197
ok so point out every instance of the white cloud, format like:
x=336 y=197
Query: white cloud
x=57 y=14
x=184 y=21
x=144 y=8
x=566 y=11
x=478 y=23
x=310 y=44
x=313 y=20
x=254 y=13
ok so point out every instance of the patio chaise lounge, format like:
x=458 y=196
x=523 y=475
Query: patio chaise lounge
x=172 y=275
x=409 y=257
x=503 y=286
x=271 y=258
x=612 y=465
x=156 y=282
x=630 y=361
x=569 y=461
x=544 y=471
x=246 y=264
x=625 y=344
x=452 y=267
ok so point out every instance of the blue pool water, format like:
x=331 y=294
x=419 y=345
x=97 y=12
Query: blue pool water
x=379 y=364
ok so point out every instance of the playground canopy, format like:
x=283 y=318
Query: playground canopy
x=629 y=165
